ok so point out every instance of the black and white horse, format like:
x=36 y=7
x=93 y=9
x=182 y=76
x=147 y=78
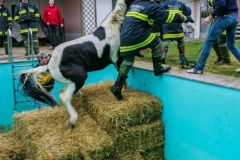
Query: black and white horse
x=71 y=60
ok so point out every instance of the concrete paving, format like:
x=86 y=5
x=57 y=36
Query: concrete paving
x=19 y=53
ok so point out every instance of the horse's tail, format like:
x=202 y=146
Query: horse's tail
x=34 y=72
x=32 y=88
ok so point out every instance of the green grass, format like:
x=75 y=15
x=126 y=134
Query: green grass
x=191 y=50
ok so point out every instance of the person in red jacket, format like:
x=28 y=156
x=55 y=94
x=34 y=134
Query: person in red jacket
x=52 y=17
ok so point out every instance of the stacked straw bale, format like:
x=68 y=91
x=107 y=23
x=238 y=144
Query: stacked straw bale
x=11 y=148
x=106 y=129
x=133 y=123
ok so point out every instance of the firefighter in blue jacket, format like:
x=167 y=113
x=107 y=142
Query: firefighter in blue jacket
x=5 y=23
x=27 y=16
x=174 y=31
x=157 y=26
x=136 y=35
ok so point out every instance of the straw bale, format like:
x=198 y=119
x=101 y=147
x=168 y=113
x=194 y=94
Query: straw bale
x=155 y=153
x=11 y=147
x=113 y=115
x=4 y=157
x=139 y=138
x=127 y=129
x=130 y=155
x=46 y=137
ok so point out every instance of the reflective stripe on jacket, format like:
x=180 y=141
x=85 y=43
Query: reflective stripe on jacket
x=5 y=20
x=27 y=16
x=136 y=29
x=157 y=27
x=175 y=30
x=211 y=3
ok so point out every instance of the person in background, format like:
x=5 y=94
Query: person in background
x=27 y=16
x=45 y=78
x=136 y=35
x=174 y=31
x=5 y=23
x=221 y=50
x=220 y=46
x=52 y=17
x=226 y=18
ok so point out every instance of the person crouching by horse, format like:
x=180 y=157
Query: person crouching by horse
x=45 y=78
x=136 y=35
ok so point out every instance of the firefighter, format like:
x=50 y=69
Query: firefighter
x=157 y=26
x=174 y=31
x=5 y=23
x=220 y=47
x=27 y=16
x=136 y=35
x=221 y=50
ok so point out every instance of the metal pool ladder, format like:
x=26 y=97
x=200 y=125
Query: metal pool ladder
x=30 y=59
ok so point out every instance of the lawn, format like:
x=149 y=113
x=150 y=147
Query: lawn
x=191 y=50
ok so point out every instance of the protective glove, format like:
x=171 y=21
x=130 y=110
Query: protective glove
x=189 y=19
x=27 y=19
x=139 y=55
x=21 y=20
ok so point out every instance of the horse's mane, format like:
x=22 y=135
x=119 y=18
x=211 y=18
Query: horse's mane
x=118 y=14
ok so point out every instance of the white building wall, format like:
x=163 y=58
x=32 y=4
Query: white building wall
x=195 y=7
x=103 y=10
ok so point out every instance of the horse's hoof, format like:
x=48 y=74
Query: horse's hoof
x=70 y=125
x=78 y=94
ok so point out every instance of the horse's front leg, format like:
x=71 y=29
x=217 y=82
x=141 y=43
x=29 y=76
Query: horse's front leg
x=66 y=97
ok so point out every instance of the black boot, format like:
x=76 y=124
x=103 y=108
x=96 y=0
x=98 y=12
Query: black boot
x=157 y=66
x=117 y=88
x=164 y=54
x=182 y=53
x=139 y=55
x=36 y=52
x=218 y=60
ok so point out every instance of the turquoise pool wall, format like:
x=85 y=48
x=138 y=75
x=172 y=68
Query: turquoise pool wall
x=6 y=102
x=201 y=121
